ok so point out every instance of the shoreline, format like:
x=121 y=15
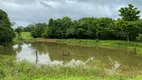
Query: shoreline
x=136 y=47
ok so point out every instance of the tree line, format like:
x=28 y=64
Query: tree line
x=127 y=27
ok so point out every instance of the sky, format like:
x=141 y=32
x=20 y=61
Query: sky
x=25 y=12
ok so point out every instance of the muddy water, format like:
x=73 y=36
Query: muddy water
x=61 y=54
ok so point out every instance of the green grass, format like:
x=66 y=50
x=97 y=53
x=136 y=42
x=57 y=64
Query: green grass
x=16 y=40
x=103 y=43
x=26 y=35
x=13 y=70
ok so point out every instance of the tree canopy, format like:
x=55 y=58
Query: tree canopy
x=127 y=27
x=129 y=13
x=6 y=32
x=38 y=29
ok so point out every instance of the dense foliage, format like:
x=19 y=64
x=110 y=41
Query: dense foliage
x=29 y=28
x=129 y=13
x=127 y=27
x=18 y=30
x=6 y=32
x=38 y=29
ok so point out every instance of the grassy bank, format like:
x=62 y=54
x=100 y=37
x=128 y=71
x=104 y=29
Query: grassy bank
x=24 y=36
x=27 y=37
x=12 y=70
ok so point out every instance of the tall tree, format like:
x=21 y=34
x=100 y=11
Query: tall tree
x=6 y=32
x=57 y=28
x=129 y=13
x=38 y=30
x=127 y=24
x=29 y=28
x=105 y=28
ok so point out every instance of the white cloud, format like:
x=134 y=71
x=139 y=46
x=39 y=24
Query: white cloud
x=25 y=12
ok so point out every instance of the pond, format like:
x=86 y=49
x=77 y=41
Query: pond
x=61 y=54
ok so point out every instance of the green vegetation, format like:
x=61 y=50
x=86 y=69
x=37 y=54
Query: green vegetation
x=18 y=30
x=128 y=27
x=139 y=38
x=29 y=28
x=25 y=36
x=38 y=30
x=129 y=13
x=11 y=70
x=16 y=40
x=104 y=32
x=6 y=32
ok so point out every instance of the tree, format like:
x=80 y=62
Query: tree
x=6 y=32
x=29 y=28
x=38 y=30
x=127 y=25
x=71 y=31
x=84 y=28
x=46 y=33
x=129 y=13
x=139 y=38
x=19 y=30
x=127 y=29
x=57 y=28
x=105 y=28
x=49 y=31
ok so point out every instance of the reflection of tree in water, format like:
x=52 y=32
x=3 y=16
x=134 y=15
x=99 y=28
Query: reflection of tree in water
x=55 y=51
x=41 y=48
x=18 y=49
x=9 y=50
x=48 y=48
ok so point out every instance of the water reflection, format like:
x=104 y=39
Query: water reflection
x=29 y=54
x=52 y=54
x=114 y=68
x=18 y=48
x=9 y=50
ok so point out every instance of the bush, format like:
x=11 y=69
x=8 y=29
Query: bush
x=6 y=32
x=139 y=38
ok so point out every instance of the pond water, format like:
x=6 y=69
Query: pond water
x=61 y=54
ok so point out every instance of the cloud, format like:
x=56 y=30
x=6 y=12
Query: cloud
x=25 y=12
